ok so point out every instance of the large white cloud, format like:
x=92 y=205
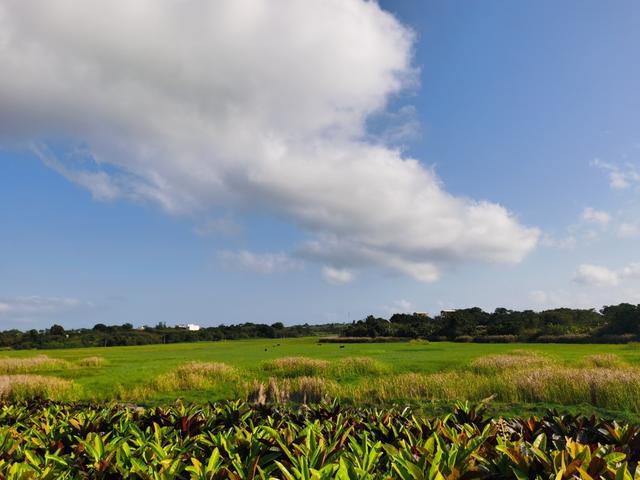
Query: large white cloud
x=597 y=275
x=238 y=105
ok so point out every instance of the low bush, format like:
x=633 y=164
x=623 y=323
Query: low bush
x=94 y=361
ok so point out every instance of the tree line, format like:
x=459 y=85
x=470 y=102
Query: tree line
x=611 y=324
x=120 y=335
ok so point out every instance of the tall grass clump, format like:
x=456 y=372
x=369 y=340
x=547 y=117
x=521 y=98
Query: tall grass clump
x=290 y=367
x=357 y=367
x=190 y=376
x=301 y=390
x=26 y=387
x=452 y=385
x=93 y=361
x=195 y=376
x=602 y=387
x=604 y=360
x=40 y=363
x=516 y=360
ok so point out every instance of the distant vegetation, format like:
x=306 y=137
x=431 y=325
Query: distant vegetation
x=122 y=335
x=612 y=324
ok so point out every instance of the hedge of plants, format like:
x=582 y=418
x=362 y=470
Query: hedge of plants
x=237 y=440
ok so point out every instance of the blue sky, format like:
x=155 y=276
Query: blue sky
x=264 y=173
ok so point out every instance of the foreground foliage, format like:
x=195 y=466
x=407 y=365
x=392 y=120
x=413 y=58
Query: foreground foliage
x=240 y=441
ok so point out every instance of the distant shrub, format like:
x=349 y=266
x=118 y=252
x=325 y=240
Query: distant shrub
x=578 y=338
x=496 y=339
x=363 y=339
x=624 y=338
x=439 y=338
x=463 y=339
x=94 y=361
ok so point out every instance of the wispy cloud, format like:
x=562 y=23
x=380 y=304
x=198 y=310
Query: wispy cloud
x=337 y=276
x=599 y=217
x=31 y=306
x=629 y=230
x=264 y=263
x=620 y=177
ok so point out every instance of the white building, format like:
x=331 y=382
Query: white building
x=189 y=326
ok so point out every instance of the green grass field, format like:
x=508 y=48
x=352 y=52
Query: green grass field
x=126 y=369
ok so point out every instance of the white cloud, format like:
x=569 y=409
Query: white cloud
x=629 y=230
x=631 y=271
x=599 y=217
x=12 y=307
x=337 y=276
x=243 y=105
x=560 y=298
x=594 y=298
x=600 y=276
x=259 y=262
x=620 y=178
x=596 y=275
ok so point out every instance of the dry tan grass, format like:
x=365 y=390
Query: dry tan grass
x=615 y=388
x=22 y=387
x=290 y=367
x=190 y=376
x=454 y=385
x=194 y=376
x=516 y=360
x=298 y=390
x=94 y=361
x=357 y=366
x=603 y=387
x=39 y=363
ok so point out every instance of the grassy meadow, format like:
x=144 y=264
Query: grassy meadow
x=523 y=377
